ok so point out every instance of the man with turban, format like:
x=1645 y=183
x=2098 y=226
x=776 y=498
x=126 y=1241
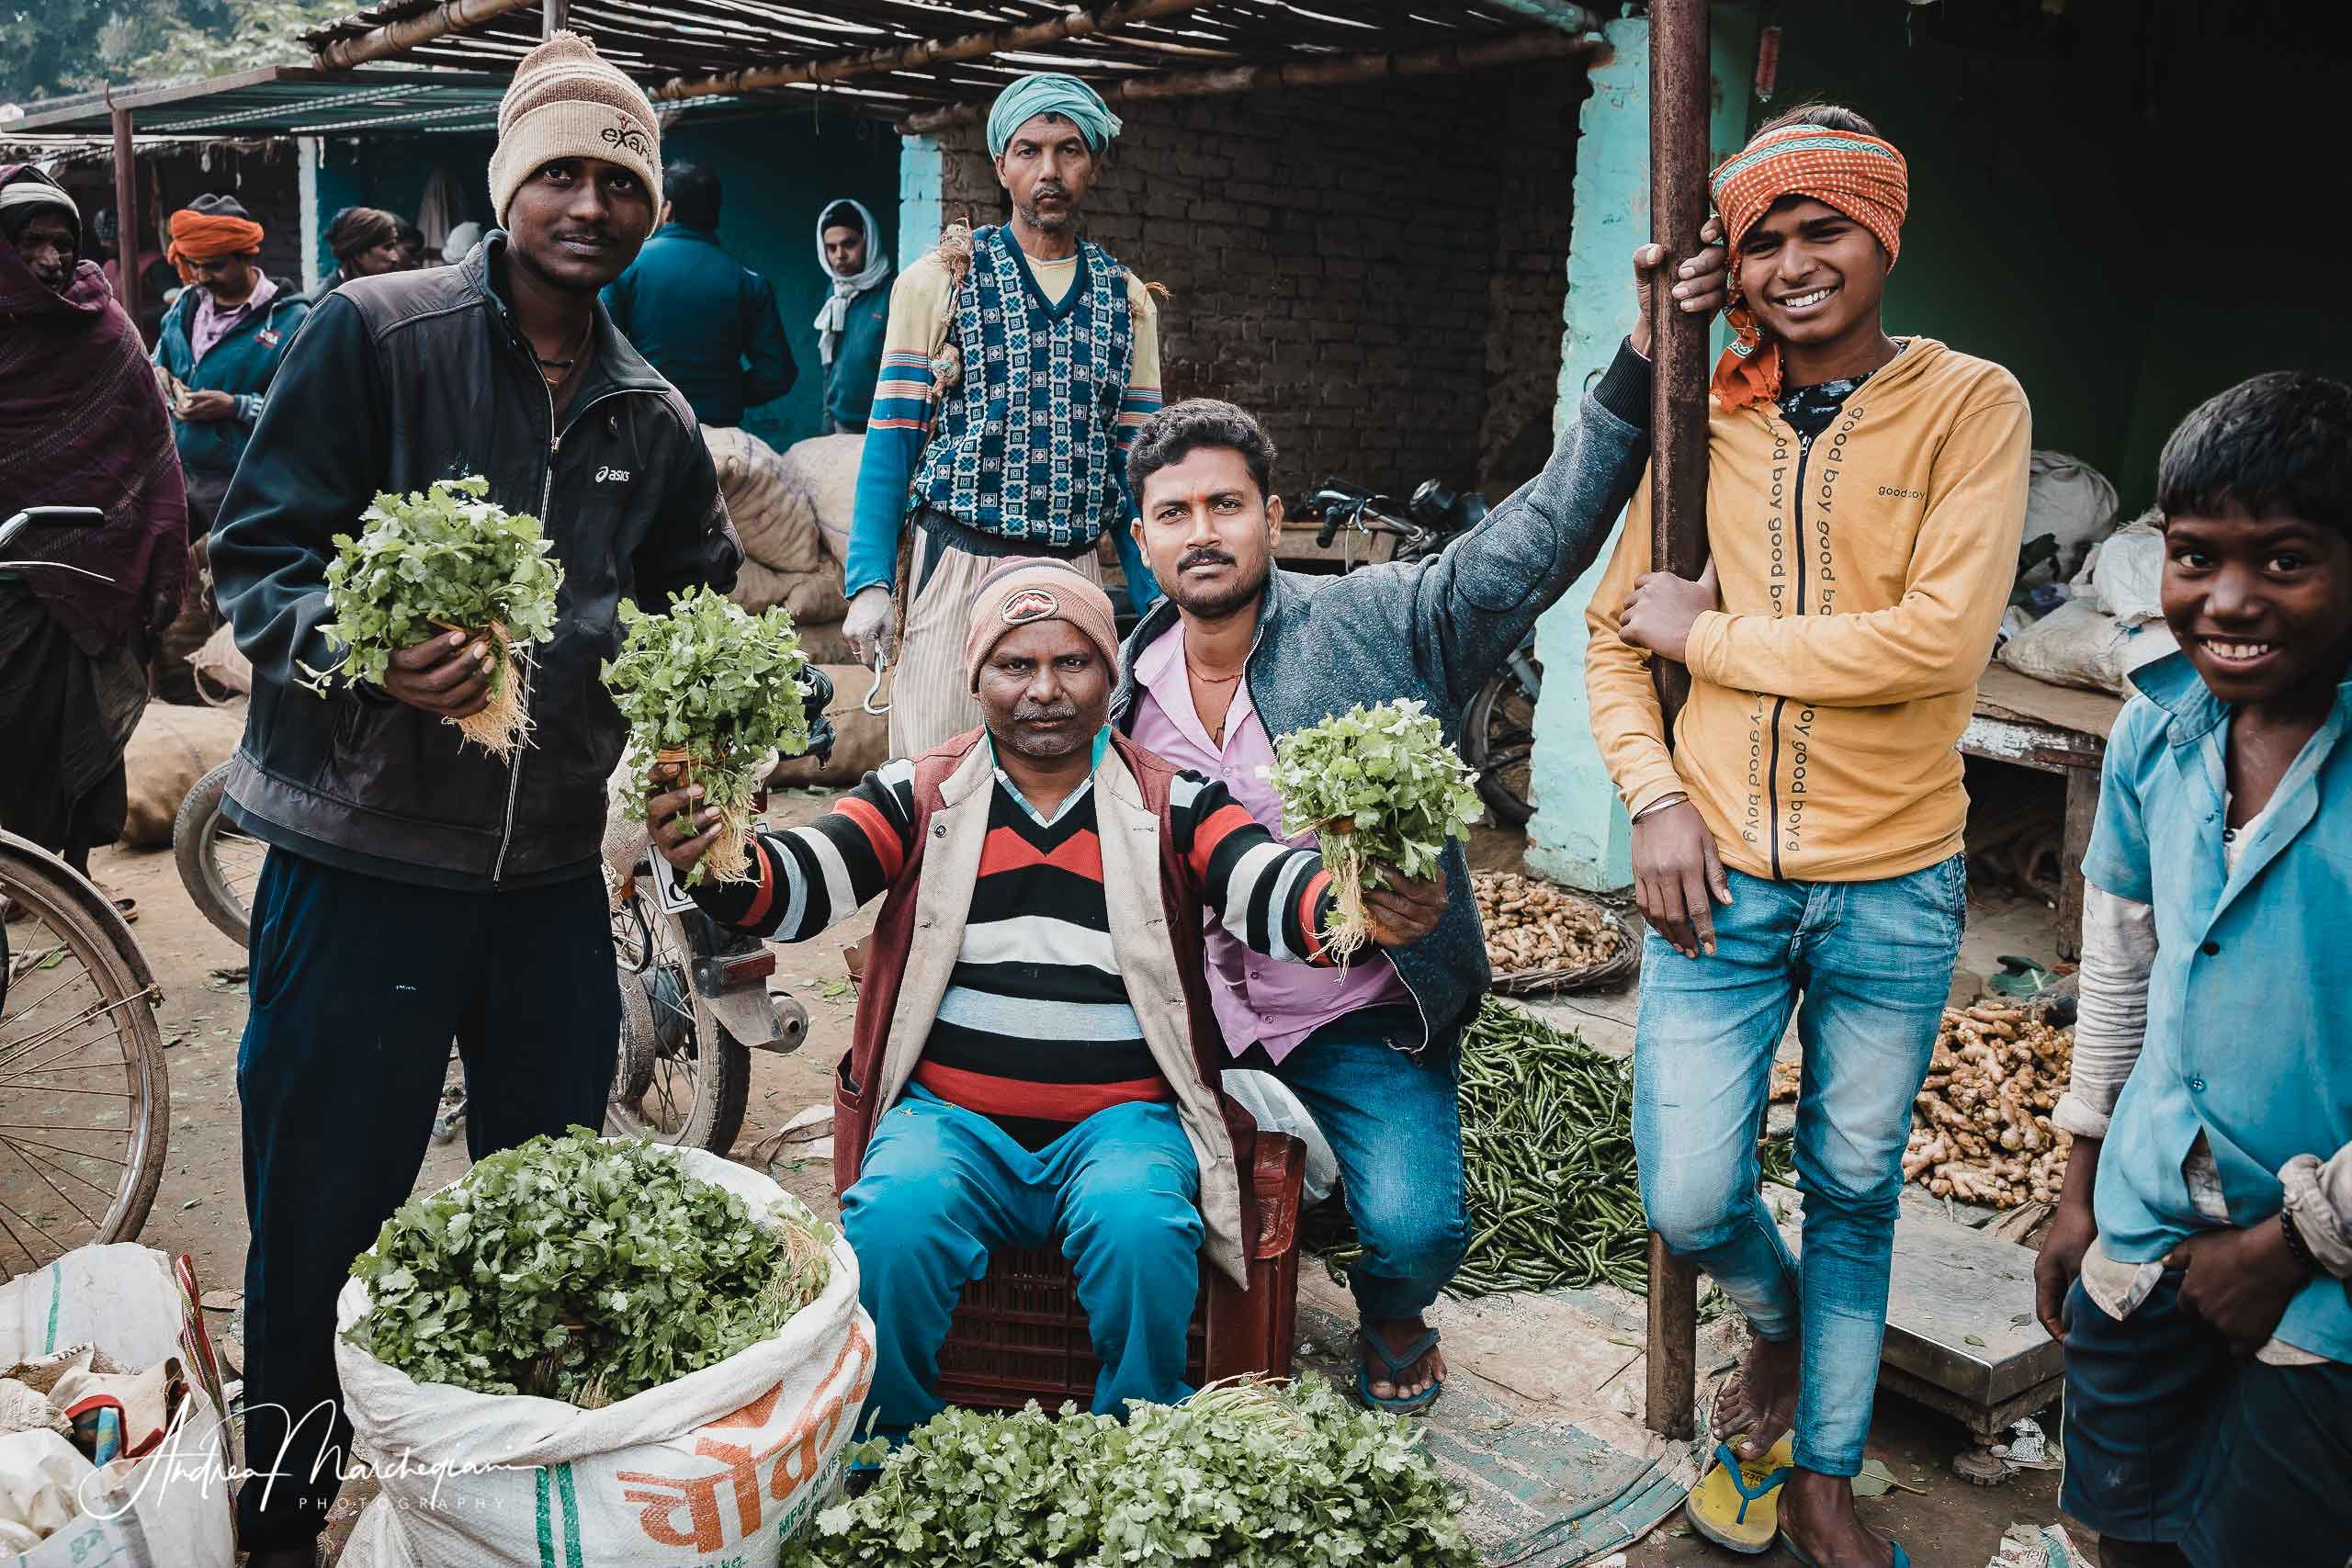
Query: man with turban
x=855 y=316
x=1019 y=362
x=1040 y=1066
x=223 y=341
x=418 y=888
x=80 y=425
x=1865 y=497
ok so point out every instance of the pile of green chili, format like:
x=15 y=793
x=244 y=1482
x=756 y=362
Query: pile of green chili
x=1547 y=1144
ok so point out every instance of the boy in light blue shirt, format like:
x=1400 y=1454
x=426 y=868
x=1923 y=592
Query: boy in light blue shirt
x=2201 y=1246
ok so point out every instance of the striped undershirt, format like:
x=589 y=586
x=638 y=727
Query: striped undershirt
x=1035 y=1031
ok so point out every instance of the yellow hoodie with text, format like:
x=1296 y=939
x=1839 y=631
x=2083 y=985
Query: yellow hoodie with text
x=1863 y=575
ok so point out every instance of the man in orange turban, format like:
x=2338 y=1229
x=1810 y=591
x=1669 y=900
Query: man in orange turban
x=223 y=341
x=1798 y=848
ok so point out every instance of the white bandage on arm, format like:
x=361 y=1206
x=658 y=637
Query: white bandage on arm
x=2111 y=1019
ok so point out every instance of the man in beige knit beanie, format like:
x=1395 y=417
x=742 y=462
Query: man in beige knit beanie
x=419 y=855
x=566 y=102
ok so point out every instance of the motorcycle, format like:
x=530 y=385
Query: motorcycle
x=1498 y=725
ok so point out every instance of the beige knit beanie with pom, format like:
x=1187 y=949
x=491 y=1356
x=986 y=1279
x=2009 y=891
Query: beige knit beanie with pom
x=566 y=102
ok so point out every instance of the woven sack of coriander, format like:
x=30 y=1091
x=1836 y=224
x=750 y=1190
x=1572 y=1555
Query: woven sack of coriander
x=731 y=1459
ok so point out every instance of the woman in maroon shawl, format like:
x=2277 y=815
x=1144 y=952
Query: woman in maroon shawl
x=81 y=424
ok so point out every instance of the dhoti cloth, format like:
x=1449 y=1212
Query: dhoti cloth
x=932 y=700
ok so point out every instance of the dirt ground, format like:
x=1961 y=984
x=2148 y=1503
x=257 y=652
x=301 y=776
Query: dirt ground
x=199 y=1210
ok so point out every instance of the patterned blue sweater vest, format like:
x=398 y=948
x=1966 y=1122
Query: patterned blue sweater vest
x=1027 y=443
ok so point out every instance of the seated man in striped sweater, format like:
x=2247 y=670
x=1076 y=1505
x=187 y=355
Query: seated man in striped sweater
x=1035 y=1061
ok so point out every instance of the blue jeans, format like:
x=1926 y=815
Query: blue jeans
x=1873 y=961
x=2170 y=1438
x=943 y=1187
x=1394 y=1123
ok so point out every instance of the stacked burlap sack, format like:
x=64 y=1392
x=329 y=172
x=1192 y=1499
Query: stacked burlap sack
x=792 y=509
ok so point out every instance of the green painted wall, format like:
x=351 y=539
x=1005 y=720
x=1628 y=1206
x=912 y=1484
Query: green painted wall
x=1579 y=835
x=777 y=171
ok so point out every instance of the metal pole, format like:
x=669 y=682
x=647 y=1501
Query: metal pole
x=1678 y=167
x=554 y=17
x=125 y=211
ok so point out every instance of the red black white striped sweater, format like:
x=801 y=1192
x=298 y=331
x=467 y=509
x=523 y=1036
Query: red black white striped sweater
x=1035 y=1031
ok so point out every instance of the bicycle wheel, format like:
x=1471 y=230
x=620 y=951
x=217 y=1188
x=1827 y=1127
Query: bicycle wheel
x=1498 y=740
x=680 y=1077
x=218 y=865
x=85 y=1103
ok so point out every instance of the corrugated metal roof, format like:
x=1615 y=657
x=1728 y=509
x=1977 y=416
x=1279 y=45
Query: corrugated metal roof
x=661 y=41
x=290 y=100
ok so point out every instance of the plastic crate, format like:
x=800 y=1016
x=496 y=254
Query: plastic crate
x=1019 y=1334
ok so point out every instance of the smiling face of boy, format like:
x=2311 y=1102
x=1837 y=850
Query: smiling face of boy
x=1811 y=274
x=2261 y=605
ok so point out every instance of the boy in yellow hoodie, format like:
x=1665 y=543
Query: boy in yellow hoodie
x=1802 y=836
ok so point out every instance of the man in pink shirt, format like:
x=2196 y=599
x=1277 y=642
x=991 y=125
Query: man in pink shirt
x=1239 y=654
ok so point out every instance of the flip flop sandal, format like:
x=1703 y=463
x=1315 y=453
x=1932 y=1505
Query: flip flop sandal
x=1736 y=1505
x=1901 y=1558
x=1397 y=1365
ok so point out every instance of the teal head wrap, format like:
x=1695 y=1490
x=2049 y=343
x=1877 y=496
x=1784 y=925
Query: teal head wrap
x=1049 y=92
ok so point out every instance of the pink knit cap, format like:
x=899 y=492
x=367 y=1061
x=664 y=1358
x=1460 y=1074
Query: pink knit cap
x=1025 y=590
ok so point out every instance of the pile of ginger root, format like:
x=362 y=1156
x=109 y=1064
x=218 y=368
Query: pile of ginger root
x=1980 y=1128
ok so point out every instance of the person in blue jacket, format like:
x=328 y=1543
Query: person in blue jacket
x=703 y=320
x=222 y=339
x=855 y=317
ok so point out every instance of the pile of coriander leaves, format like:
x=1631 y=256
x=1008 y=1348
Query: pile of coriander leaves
x=582 y=1270
x=1245 y=1474
x=433 y=560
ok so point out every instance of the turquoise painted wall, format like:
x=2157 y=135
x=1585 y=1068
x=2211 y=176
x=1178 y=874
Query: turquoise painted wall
x=1579 y=835
x=777 y=171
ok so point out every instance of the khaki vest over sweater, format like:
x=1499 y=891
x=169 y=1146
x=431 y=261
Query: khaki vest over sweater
x=1864 y=579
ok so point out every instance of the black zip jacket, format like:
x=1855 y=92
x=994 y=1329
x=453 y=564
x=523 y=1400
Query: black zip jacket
x=394 y=382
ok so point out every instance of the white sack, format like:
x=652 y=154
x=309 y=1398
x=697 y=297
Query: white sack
x=733 y=1460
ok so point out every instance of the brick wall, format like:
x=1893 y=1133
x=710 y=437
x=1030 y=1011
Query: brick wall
x=1378 y=272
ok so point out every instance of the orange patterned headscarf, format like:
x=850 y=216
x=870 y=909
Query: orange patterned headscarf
x=1861 y=176
x=204 y=236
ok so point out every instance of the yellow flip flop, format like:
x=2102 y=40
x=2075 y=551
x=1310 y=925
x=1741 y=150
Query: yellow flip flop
x=1736 y=1504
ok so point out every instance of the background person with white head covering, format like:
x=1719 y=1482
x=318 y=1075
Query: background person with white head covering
x=851 y=324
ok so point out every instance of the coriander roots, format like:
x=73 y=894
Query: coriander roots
x=504 y=725
x=1381 y=788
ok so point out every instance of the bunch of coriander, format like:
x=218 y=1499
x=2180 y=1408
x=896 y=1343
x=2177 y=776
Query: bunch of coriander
x=712 y=694
x=1380 y=787
x=444 y=560
x=1248 y=1475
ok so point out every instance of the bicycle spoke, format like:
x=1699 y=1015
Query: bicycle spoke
x=46 y=1065
x=61 y=1148
x=39 y=1040
x=34 y=1225
x=91 y=1219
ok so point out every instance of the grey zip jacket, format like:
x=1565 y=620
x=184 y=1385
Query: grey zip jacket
x=394 y=382
x=1434 y=630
